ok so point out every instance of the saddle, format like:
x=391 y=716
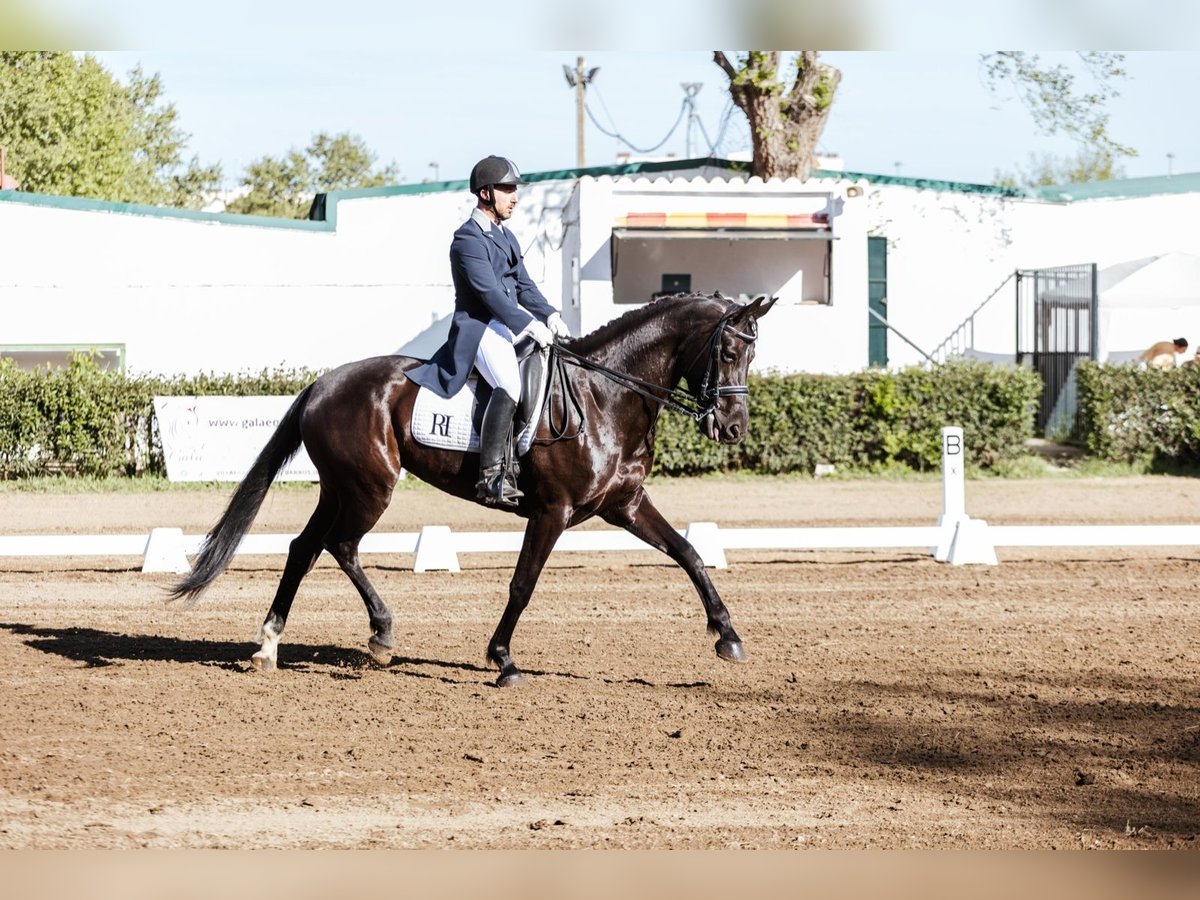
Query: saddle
x=453 y=423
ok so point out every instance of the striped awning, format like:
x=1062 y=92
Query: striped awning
x=722 y=220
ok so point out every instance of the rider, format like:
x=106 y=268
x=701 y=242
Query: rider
x=496 y=304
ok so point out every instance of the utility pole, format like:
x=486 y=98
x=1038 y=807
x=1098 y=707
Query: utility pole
x=579 y=80
x=690 y=90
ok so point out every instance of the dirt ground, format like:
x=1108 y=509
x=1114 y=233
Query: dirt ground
x=889 y=701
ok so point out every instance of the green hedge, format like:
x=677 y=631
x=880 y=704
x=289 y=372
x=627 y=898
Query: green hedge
x=79 y=420
x=1133 y=415
x=869 y=420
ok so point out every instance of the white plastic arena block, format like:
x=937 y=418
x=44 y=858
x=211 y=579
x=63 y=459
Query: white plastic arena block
x=705 y=537
x=435 y=550
x=164 y=552
x=972 y=544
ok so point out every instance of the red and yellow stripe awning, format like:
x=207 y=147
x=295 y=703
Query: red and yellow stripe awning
x=722 y=220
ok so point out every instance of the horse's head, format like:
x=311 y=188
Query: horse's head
x=717 y=375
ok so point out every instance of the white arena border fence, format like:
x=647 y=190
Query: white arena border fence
x=956 y=538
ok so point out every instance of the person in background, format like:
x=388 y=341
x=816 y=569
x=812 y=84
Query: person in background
x=1163 y=354
x=496 y=304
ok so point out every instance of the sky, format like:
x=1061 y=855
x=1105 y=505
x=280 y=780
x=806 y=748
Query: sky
x=434 y=87
x=914 y=112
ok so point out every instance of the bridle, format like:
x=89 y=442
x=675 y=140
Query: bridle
x=698 y=407
x=710 y=392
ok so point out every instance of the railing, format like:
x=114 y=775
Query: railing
x=963 y=337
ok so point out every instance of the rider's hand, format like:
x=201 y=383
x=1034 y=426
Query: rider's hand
x=558 y=326
x=540 y=333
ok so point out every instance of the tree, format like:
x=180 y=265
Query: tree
x=1050 y=94
x=787 y=105
x=786 y=121
x=70 y=128
x=286 y=186
x=1047 y=170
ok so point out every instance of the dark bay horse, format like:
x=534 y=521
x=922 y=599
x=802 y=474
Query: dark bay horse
x=354 y=422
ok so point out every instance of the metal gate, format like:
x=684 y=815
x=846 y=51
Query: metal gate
x=1056 y=327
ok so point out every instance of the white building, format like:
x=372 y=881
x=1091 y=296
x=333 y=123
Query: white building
x=168 y=291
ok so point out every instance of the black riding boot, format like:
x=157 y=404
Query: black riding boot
x=496 y=486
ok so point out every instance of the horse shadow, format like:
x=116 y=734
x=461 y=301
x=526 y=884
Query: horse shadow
x=94 y=648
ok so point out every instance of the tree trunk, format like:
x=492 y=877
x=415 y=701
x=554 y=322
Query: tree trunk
x=785 y=123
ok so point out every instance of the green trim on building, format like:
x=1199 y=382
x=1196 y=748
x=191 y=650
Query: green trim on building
x=1124 y=187
x=929 y=184
x=157 y=212
x=1186 y=183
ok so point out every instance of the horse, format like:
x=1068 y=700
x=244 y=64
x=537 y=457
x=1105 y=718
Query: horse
x=612 y=385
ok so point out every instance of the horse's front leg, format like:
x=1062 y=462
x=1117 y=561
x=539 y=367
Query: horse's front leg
x=640 y=517
x=541 y=534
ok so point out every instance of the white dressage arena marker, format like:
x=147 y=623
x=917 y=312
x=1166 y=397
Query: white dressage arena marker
x=164 y=552
x=962 y=540
x=705 y=537
x=435 y=550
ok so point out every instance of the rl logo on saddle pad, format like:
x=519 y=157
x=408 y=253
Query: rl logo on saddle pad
x=453 y=424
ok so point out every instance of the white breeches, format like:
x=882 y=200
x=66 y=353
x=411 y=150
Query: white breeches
x=497 y=361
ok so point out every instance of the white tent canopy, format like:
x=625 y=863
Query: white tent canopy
x=1148 y=300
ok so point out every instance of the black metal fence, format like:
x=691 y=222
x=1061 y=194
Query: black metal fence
x=1056 y=327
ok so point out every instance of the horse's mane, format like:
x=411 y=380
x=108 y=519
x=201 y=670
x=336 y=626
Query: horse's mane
x=639 y=315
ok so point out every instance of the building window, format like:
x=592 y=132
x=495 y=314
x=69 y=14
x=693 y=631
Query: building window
x=109 y=357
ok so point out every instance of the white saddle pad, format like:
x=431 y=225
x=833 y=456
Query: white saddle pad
x=450 y=423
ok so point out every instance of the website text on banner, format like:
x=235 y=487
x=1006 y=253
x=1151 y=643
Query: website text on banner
x=218 y=438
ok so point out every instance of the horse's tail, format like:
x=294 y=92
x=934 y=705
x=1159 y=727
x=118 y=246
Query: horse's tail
x=222 y=542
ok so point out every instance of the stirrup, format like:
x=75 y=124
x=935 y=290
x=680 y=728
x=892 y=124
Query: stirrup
x=497 y=488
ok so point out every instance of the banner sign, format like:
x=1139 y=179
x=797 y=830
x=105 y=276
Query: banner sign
x=218 y=438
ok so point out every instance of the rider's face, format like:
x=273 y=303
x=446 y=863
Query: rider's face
x=506 y=200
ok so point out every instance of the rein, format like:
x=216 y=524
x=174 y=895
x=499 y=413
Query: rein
x=697 y=407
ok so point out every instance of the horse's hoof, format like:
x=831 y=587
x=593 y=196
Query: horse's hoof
x=731 y=651
x=511 y=679
x=380 y=652
x=262 y=662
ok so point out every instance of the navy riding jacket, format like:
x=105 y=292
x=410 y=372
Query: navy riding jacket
x=490 y=282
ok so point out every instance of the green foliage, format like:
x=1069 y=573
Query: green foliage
x=70 y=128
x=286 y=186
x=81 y=420
x=870 y=420
x=1089 y=164
x=1146 y=417
x=1054 y=99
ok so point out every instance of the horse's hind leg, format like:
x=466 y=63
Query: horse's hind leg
x=356 y=516
x=302 y=555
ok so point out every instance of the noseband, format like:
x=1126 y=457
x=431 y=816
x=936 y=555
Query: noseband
x=697 y=407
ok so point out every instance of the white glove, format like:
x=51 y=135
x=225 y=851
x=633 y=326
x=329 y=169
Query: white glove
x=558 y=326
x=540 y=333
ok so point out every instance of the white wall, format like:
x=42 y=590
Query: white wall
x=196 y=292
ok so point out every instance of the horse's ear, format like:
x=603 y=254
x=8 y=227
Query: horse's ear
x=755 y=309
x=767 y=303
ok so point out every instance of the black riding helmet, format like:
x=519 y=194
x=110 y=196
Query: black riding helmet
x=493 y=170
